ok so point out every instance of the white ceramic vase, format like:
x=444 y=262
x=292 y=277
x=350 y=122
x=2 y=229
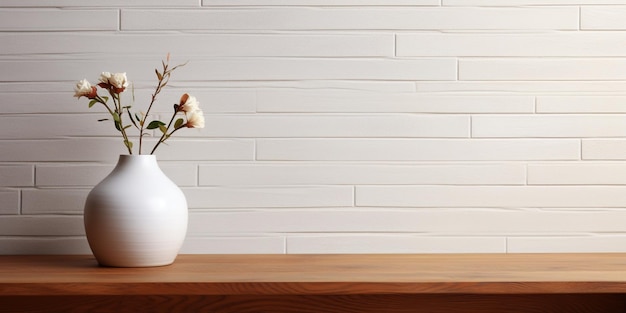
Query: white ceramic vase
x=136 y=216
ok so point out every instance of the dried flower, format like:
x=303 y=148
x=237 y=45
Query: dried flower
x=195 y=119
x=113 y=81
x=84 y=89
x=104 y=78
x=116 y=83
x=188 y=103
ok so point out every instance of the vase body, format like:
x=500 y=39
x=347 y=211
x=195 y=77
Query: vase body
x=136 y=216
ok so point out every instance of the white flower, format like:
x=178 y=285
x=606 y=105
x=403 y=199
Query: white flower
x=104 y=77
x=195 y=119
x=189 y=103
x=116 y=80
x=84 y=89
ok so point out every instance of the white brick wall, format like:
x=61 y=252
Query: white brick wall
x=333 y=126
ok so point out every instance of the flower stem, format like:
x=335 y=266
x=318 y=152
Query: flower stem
x=120 y=112
x=99 y=99
x=165 y=76
x=113 y=113
x=165 y=135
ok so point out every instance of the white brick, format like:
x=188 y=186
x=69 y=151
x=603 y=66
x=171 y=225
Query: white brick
x=581 y=104
x=35 y=225
x=108 y=150
x=9 y=202
x=317 y=2
x=237 y=69
x=90 y=175
x=203 y=150
x=17 y=175
x=417 y=149
x=604 y=149
x=528 y=2
x=56 y=126
x=36 y=87
x=233 y=245
x=54 y=19
x=205 y=45
x=53 y=201
x=552 y=44
x=541 y=87
x=212 y=101
x=594 y=173
x=269 y=197
x=352 y=19
x=283 y=125
x=542 y=69
x=492 y=196
x=321 y=85
x=548 y=126
x=35 y=245
x=364 y=174
x=567 y=244
x=602 y=17
x=56 y=150
x=437 y=222
x=14 y=102
x=381 y=243
x=342 y=101
x=71 y=175
x=110 y=3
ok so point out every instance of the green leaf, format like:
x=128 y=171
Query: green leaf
x=127 y=126
x=132 y=120
x=118 y=126
x=163 y=128
x=105 y=98
x=128 y=144
x=116 y=117
x=139 y=119
x=155 y=124
x=179 y=122
x=92 y=102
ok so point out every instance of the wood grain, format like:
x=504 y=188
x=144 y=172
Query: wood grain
x=320 y=283
x=438 y=303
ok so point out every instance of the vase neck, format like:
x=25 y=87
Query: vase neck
x=137 y=161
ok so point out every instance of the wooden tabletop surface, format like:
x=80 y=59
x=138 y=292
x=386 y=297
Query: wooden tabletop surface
x=320 y=274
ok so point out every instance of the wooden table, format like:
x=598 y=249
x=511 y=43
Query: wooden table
x=502 y=283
